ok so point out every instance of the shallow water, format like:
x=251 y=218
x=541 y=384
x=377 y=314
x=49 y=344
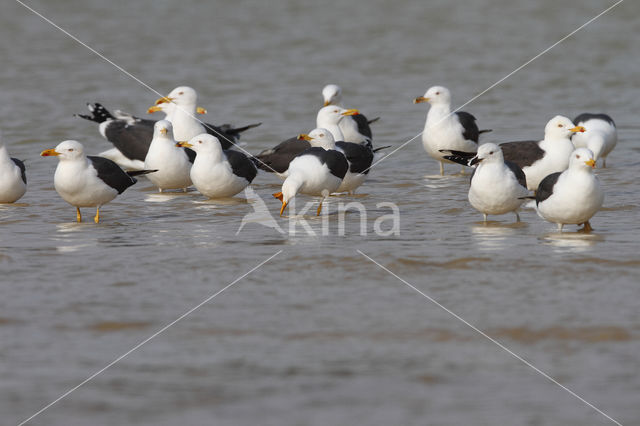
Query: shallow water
x=319 y=334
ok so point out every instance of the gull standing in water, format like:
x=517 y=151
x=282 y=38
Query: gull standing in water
x=572 y=196
x=446 y=131
x=88 y=181
x=317 y=171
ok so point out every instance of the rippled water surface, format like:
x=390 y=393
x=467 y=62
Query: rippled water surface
x=319 y=334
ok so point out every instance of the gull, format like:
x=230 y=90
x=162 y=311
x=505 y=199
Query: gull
x=88 y=181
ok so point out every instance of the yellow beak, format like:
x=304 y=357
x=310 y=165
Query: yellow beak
x=578 y=129
x=153 y=109
x=164 y=100
x=304 y=137
x=164 y=131
x=183 y=144
x=327 y=103
x=351 y=112
x=420 y=99
x=201 y=110
x=49 y=153
x=591 y=163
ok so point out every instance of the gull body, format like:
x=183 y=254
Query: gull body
x=87 y=181
x=497 y=187
x=172 y=163
x=600 y=135
x=13 y=179
x=217 y=173
x=317 y=171
x=359 y=156
x=572 y=196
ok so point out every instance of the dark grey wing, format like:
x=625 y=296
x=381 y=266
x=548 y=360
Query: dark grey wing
x=191 y=154
x=335 y=160
x=132 y=140
x=517 y=171
x=545 y=189
x=523 y=153
x=337 y=163
x=363 y=125
x=111 y=174
x=241 y=165
x=586 y=116
x=359 y=156
x=468 y=122
x=277 y=159
x=23 y=170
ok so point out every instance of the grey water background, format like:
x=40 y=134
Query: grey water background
x=318 y=335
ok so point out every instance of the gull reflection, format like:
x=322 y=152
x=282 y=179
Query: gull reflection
x=573 y=242
x=492 y=235
x=163 y=197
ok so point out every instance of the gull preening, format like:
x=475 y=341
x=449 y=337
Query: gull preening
x=600 y=135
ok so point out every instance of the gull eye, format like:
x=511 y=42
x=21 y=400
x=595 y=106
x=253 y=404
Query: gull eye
x=560 y=125
x=577 y=156
x=491 y=153
x=437 y=93
x=180 y=93
x=199 y=141
x=70 y=149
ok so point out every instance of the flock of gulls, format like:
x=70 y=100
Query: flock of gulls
x=180 y=151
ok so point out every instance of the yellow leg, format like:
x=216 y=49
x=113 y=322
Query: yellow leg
x=587 y=227
x=96 y=219
x=78 y=215
x=441 y=168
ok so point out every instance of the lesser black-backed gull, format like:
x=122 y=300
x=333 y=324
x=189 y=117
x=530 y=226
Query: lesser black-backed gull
x=218 y=173
x=88 y=181
x=173 y=164
x=354 y=128
x=13 y=177
x=600 y=135
x=497 y=186
x=318 y=171
x=444 y=130
x=550 y=155
x=572 y=196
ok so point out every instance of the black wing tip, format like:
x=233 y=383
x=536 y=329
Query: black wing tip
x=99 y=113
x=380 y=148
x=373 y=120
x=456 y=159
x=484 y=131
x=133 y=173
